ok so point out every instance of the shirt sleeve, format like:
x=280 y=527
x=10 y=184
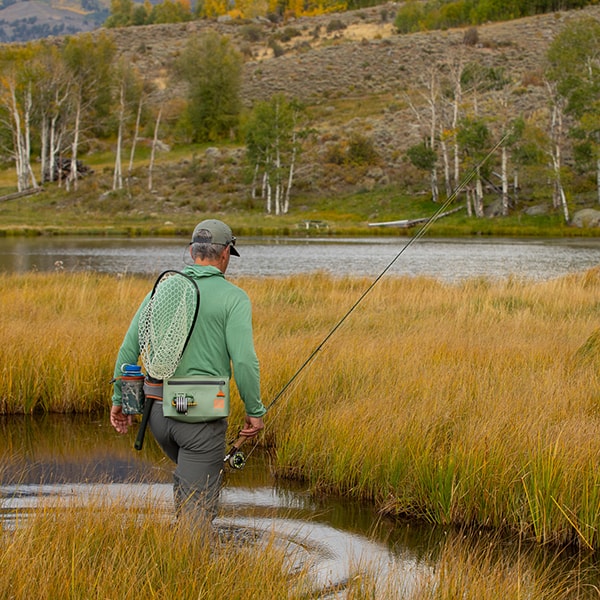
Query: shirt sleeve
x=240 y=345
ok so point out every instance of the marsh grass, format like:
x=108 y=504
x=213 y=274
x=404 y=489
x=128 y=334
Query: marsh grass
x=470 y=403
x=486 y=568
x=104 y=549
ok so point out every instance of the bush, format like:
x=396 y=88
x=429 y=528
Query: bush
x=277 y=48
x=361 y=151
x=288 y=33
x=252 y=33
x=471 y=37
x=335 y=25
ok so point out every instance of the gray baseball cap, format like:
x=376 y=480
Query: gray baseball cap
x=218 y=233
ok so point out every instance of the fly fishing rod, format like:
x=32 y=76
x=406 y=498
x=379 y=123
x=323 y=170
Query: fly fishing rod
x=234 y=456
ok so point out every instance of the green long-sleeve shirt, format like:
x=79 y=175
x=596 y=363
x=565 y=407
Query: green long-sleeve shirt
x=222 y=338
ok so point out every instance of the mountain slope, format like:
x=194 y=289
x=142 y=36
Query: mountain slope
x=33 y=19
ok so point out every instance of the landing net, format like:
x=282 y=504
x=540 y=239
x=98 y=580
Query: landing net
x=166 y=323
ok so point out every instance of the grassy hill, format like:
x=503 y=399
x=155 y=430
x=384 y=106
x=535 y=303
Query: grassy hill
x=356 y=77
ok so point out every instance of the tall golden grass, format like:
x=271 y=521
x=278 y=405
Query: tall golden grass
x=108 y=549
x=104 y=550
x=470 y=403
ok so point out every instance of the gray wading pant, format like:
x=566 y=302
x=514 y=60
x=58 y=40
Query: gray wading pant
x=198 y=450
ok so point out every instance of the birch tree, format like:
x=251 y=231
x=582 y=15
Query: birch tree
x=154 y=146
x=430 y=93
x=17 y=82
x=455 y=65
x=128 y=94
x=52 y=96
x=556 y=134
x=574 y=75
x=89 y=60
x=273 y=136
x=473 y=137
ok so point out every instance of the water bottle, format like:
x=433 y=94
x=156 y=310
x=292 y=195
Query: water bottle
x=132 y=389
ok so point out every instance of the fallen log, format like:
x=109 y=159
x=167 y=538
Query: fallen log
x=407 y=223
x=22 y=194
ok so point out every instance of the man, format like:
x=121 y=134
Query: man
x=222 y=337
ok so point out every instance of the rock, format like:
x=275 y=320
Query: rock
x=538 y=209
x=586 y=217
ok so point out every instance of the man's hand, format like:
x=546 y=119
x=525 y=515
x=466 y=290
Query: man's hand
x=120 y=421
x=252 y=425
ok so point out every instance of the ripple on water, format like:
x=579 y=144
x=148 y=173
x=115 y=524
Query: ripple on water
x=251 y=515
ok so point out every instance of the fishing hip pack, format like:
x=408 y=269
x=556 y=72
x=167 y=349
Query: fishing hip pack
x=195 y=399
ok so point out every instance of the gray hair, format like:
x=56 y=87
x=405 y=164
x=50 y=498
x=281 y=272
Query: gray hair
x=205 y=251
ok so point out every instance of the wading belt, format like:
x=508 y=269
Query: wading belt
x=153 y=388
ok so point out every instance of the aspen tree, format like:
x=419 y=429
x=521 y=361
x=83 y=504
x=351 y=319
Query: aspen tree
x=574 y=74
x=17 y=82
x=273 y=135
x=128 y=94
x=89 y=60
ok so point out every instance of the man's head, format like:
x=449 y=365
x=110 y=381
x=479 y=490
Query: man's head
x=210 y=238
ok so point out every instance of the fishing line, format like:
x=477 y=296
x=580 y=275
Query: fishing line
x=420 y=233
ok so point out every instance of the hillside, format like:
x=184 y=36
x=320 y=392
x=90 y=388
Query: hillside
x=33 y=19
x=359 y=77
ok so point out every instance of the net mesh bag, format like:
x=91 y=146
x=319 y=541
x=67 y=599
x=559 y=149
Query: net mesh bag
x=166 y=323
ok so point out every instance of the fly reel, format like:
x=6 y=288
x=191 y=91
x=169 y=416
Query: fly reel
x=237 y=460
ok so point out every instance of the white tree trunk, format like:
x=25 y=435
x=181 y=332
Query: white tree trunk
x=478 y=200
x=135 y=137
x=21 y=138
x=31 y=180
x=278 y=193
x=267 y=192
x=153 y=151
x=504 y=179
x=598 y=178
x=72 y=178
x=446 y=162
x=118 y=173
x=286 y=200
x=254 y=180
x=44 y=141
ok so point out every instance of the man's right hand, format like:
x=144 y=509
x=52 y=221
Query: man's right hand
x=120 y=421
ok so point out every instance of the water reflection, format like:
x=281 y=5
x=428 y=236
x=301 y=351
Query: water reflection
x=446 y=259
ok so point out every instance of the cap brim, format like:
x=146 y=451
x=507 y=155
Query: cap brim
x=233 y=251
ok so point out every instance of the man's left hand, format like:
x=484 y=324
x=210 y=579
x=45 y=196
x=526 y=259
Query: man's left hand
x=252 y=425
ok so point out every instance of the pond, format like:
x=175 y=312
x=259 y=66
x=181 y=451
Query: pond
x=74 y=456
x=445 y=259
x=79 y=457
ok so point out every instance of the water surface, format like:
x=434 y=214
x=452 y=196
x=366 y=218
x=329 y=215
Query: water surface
x=446 y=259
x=76 y=458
